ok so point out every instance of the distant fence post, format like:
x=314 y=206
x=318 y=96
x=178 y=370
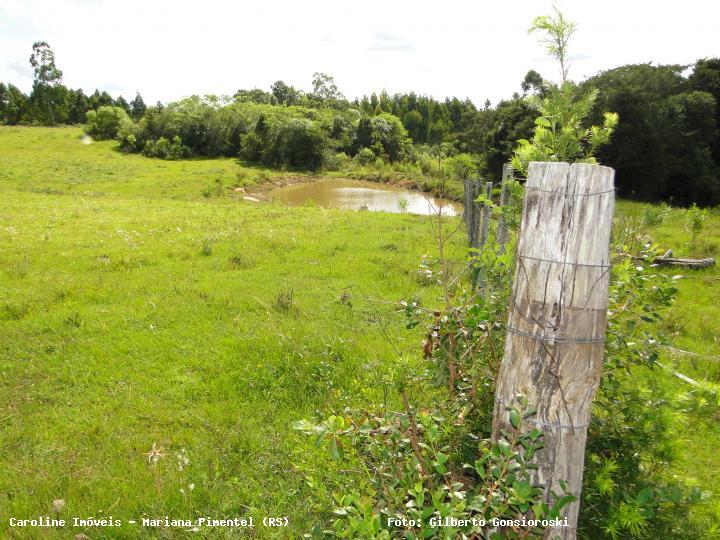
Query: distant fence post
x=472 y=210
x=557 y=316
x=502 y=232
x=486 y=212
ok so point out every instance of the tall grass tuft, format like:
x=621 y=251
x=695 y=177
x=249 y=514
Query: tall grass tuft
x=284 y=301
x=207 y=247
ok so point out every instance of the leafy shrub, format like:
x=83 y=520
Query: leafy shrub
x=655 y=214
x=165 y=149
x=243 y=178
x=416 y=489
x=461 y=166
x=402 y=204
x=107 y=121
x=694 y=221
x=389 y=136
x=365 y=156
x=251 y=147
x=559 y=131
x=335 y=161
x=629 y=445
x=427 y=164
x=128 y=142
x=298 y=143
x=625 y=493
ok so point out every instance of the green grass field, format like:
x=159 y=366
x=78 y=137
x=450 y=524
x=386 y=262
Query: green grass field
x=159 y=337
x=694 y=327
x=137 y=312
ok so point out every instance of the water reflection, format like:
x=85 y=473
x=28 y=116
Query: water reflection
x=360 y=194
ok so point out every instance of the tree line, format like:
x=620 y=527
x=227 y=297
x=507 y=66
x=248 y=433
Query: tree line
x=666 y=146
x=50 y=102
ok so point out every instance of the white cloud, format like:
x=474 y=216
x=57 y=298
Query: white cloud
x=169 y=49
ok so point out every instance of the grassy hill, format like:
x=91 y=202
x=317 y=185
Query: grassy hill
x=158 y=337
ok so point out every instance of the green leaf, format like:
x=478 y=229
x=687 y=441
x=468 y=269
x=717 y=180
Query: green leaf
x=564 y=501
x=644 y=495
x=515 y=418
x=336 y=449
x=523 y=490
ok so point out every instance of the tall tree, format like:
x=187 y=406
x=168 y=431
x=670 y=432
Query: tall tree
x=123 y=104
x=100 y=99
x=284 y=94
x=706 y=78
x=324 y=87
x=533 y=81
x=137 y=107
x=47 y=77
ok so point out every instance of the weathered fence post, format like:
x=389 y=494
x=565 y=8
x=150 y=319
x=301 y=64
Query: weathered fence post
x=472 y=211
x=502 y=232
x=557 y=317
x=486 y=212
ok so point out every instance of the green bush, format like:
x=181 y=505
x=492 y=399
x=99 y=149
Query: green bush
x=461 y=166
x=165 y=149
x=694 y=221
x=335 y=161
x=365 y=156
x=299 y=143
x=417 y=488
x=389 y=136
x=251 y=147
x=107 y=122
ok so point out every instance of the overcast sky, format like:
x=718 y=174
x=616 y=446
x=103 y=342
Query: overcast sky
x=478 y=49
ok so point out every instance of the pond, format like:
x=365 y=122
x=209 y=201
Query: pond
x=351 y=194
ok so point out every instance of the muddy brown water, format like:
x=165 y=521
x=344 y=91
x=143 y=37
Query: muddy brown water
x=351 y=194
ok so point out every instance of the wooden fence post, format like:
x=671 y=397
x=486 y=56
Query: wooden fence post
x=486 y=213
x=472 y=211
x=502 y=232
x=467 y=207
x=557 y=316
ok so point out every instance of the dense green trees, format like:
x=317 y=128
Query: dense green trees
x=12 y=104
x=665 y=147
x=492 y=133
x=666 y=144
x=79 y=105
x=287 y=136
x=58 y=104
x=706 y=78
x=50 y=102
x=427 y=121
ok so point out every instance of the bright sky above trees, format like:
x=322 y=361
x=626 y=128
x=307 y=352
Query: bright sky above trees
x=475 y=49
